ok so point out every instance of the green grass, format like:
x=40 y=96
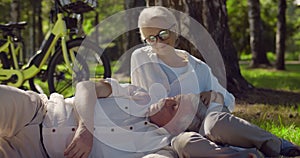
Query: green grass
x=288 y=80
x=283 y=121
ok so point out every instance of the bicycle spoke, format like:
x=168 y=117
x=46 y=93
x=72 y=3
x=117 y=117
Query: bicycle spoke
x=62 y=89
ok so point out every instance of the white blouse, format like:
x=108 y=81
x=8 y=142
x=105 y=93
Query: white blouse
x=147 y=72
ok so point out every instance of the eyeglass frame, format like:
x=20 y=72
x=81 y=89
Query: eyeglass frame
x=157 y=36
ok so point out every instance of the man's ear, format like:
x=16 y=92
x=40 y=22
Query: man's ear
x=156 y=119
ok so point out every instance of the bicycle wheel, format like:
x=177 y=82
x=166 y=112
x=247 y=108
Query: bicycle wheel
x=38 y=83
x=89 y=65
x=4 y=64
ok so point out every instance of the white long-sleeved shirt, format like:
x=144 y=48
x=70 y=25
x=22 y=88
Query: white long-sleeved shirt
x=147 y=72
x=121 y=128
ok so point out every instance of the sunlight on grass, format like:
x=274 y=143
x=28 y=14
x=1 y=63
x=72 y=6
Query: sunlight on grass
x=290 y=132
x=288 y=80
x=282 y=121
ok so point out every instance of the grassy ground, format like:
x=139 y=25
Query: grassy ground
x=275 y=106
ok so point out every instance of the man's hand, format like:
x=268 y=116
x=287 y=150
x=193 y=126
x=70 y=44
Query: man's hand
x=81 y=145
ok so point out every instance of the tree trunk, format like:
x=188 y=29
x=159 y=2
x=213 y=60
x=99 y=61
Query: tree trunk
x=15 y=10
x=184 y=6
x=214 y=16
x=133 y=39
x=216 y=21
x=37 y=24
x=280 y=35
x=259 y=57
x=33 y=3
x=40 y=35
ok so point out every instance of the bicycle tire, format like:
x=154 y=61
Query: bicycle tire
x=38 y=83
x=4 y=63
x=91 y=64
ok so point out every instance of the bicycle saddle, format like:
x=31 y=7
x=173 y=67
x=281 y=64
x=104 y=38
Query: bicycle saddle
x=13 y=25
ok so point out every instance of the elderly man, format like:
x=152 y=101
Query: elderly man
x=216 y=128
x=34 y=126
x=120 y=127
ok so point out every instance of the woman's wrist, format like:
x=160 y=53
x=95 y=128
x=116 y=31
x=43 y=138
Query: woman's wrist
x=213 y=96
x=217 y=97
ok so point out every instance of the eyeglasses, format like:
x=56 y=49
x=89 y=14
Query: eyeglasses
x=162 y=35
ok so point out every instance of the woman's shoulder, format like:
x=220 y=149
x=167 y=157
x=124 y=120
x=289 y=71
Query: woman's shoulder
x=142 y=50
x=195 y=62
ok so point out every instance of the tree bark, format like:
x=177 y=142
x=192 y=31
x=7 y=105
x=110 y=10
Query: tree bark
x=280 y=36
x=213 y=15
x=33 y=25
x=37 y=30
x=216 y=21
x=259 y=57
x=15 y=10
x=40 y=35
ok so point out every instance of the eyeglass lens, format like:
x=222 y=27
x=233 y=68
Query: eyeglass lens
x=162 y=35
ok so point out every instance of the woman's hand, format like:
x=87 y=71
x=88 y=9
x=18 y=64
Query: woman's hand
x=207 y=97
x=211 y=96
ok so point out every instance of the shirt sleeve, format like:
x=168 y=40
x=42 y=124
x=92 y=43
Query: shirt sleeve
x=210 y=82
x=229 y=99
x=147 y=73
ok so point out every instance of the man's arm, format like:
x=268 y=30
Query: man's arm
x=86 y=96
x=103 y=89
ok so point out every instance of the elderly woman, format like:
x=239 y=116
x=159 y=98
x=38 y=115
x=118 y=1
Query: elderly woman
x=164 y=70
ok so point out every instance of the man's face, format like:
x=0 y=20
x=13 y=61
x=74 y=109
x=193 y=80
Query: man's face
x=174 y=113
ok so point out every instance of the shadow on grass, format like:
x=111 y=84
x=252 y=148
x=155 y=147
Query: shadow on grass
x=269 y=97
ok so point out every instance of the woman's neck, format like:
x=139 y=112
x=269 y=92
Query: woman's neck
x=173 y=59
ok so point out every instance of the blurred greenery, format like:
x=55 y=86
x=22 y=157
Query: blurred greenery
x=239 y=25
x=269 y=78
x=283 y=121
x=272 y=56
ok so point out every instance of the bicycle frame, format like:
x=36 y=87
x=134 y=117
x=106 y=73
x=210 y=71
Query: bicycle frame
x=34 y=66
x=15 y=51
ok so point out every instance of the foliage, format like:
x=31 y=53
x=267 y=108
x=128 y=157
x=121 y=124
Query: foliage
x=238 y=23
x=104 y=9
x=5 y=11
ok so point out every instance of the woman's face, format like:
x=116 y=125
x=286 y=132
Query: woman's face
x=159 y=39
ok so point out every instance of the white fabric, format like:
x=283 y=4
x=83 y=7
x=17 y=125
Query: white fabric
x=146 y=72
x=159 y=17
x=118 y=132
